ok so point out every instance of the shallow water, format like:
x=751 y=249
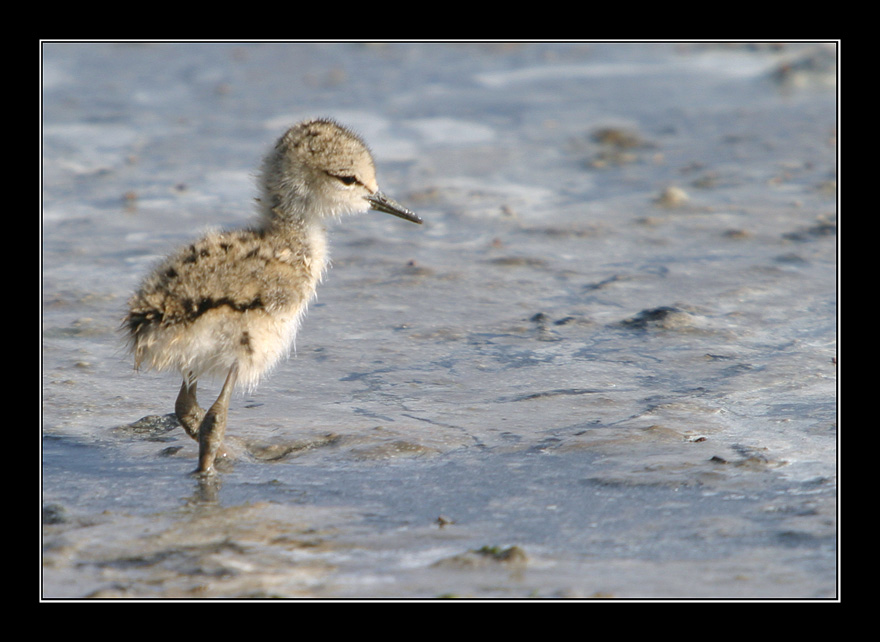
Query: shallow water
x=569 y=382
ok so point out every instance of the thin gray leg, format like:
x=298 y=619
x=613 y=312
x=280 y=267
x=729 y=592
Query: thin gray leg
x=213 y=426
x=187 y=409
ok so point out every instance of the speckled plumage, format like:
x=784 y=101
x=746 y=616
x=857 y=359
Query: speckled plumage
x=231 y=302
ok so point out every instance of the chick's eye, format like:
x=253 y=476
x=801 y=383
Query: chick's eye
x=346 y=180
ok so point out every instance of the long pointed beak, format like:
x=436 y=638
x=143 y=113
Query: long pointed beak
x=382 y=203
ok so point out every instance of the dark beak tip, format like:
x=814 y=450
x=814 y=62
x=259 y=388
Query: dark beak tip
x=382 y=203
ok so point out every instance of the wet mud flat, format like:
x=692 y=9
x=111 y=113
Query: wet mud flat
x=505 y=523
x=606 y=367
